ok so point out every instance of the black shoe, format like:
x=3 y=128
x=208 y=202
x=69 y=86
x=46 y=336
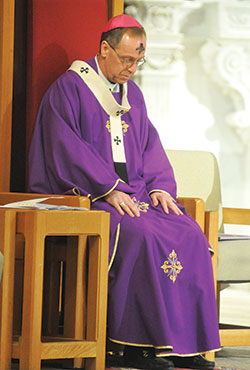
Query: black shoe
x=114 y=360
x=141 y=358
x=193 y=362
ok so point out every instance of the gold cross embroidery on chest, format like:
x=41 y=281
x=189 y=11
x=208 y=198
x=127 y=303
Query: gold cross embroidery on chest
x=125 y=127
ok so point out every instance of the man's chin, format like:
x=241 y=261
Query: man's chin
x=123 y=79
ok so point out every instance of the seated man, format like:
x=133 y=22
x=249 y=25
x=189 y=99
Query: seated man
x=93 y=137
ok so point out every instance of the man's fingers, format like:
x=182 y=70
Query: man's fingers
x=122 y=203
x=176 y=209
x=120 y=209
x=130 y=208
x=128 y=211
x=154 y=200
x=165 y=207
x=166 y=203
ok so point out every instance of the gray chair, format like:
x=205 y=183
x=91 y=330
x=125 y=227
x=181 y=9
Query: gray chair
x=197 y=175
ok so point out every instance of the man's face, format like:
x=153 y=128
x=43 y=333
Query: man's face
x=119 y=63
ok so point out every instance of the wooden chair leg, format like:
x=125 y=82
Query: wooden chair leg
x=30 y=354
x=75 y=291
x=7 y=247
x=94 y=307
x=210 y=356
x=18 y=297
x=51 y=290
x=211 y=231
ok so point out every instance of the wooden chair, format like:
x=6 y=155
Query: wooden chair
x=1 y=265
x=74 y=305
x=197 y=175
x=54 y=260
x=7 y=248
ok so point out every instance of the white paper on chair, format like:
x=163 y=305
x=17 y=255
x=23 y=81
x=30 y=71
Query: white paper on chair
x=226 y=237
x=36 y=204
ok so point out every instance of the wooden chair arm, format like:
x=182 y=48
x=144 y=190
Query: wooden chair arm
x=236 y=216
x=211 y=228
x=195 y=208
x=211 y=232
x=68 y=200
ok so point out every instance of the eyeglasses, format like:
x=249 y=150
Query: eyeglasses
x=128 y=63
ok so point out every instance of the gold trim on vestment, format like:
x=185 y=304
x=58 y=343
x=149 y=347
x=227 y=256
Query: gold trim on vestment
x=164 y=347
x=115 y=247
x=76 y=191
x=104 y=195
x=140 y=345
x=188 y=354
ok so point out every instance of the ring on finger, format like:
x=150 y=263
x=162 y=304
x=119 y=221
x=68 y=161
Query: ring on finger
x=122 y=204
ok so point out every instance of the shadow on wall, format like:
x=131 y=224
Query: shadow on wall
x=53 y=61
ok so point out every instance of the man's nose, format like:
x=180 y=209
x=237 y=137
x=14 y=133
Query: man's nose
x=132 y=68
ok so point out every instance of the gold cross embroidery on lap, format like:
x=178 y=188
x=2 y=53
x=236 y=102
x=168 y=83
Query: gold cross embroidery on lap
x=142 y=206
x=172 y=266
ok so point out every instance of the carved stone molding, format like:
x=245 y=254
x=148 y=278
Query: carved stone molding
x=229 y=18
x=177 y=94
x=160 y=20
x=226 y=59
x=165 y=68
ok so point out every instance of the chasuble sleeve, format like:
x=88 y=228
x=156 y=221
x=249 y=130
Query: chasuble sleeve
x=62 y=157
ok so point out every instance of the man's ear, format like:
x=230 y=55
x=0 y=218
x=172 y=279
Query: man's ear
x=104 y=48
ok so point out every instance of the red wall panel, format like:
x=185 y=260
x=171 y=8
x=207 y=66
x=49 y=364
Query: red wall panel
x=59 y=31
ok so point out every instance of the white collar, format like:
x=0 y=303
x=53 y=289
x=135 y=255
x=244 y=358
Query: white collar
x=112 y=87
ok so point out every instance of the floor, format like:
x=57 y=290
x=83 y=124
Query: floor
x=235 y=309
x=234 y=358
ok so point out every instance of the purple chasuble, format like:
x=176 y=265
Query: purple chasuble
x=161 y=288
